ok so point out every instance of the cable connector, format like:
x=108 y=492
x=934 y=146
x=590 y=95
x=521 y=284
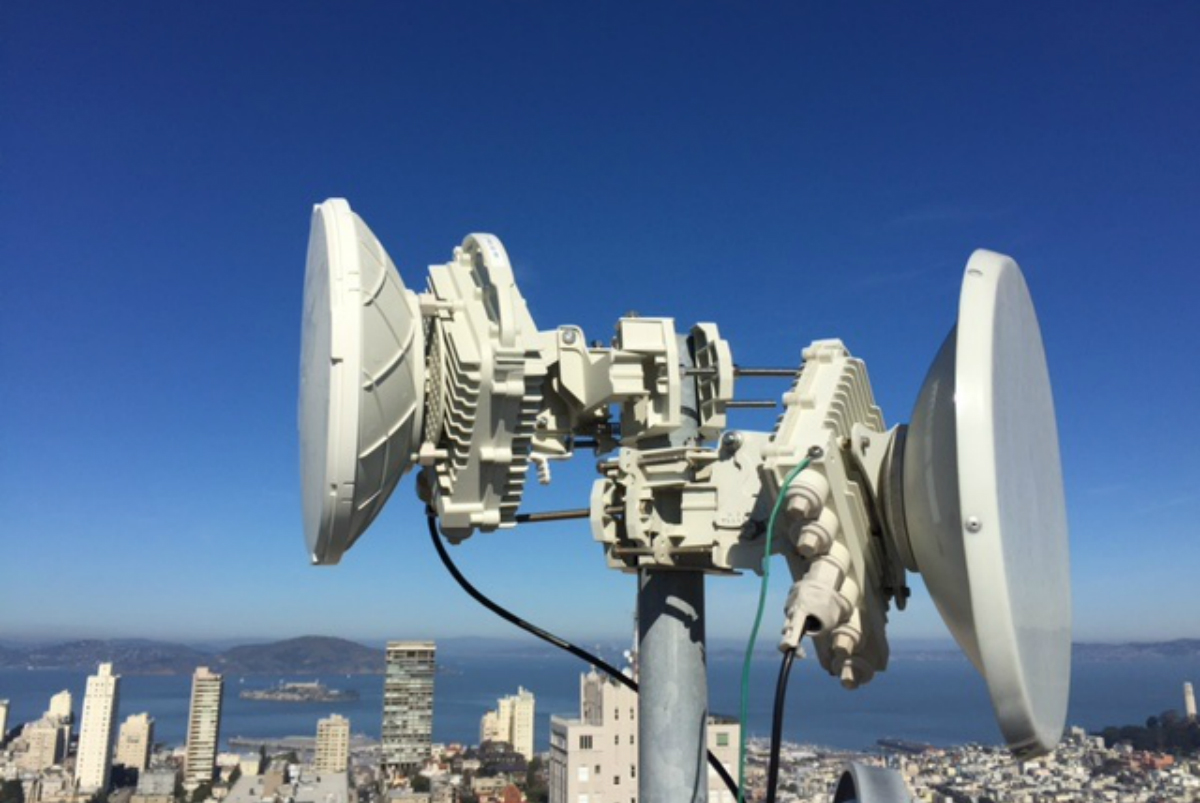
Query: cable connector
x=815 y=603
x=807 y=494
x=854 y=671
x=816 y=537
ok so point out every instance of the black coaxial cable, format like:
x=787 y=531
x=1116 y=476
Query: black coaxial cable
x=562 y=644
x=777 y=724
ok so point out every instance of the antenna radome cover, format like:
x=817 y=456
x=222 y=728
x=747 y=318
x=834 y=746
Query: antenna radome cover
x=362 y=376
x=986 y=513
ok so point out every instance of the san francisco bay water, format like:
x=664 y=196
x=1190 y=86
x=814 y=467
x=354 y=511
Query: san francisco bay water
x=939 y=700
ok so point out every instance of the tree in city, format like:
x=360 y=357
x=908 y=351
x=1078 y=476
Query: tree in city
x=536 y=790
x=12 y=792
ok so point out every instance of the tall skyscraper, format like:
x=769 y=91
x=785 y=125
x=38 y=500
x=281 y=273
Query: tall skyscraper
x=3 y=720
x=407 y=731
x=204 y=728
x=333 y=744
x=135 y=741
x=97 y=726
x=595 y=757
x=1189 y=702
x=511 y=722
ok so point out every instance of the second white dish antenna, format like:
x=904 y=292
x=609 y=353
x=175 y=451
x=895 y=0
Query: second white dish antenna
x=984 y=504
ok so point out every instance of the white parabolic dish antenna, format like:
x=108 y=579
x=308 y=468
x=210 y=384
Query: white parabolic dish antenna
x=362 y=380
x=984 y=504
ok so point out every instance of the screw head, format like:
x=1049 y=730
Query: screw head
x=568 y=336
x=974 y=525
x=815 y=452
x=732 y=440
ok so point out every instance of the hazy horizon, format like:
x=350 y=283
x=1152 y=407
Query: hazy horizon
x=517 y=639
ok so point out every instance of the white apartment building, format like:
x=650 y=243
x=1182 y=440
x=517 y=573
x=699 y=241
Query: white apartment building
x=723 y=736
x=60 y=707
x=407 y=732
x=333 y=744
x=97 y=727
x=204 y=728
x=44 y=745
x=594 y=759
x=135 y=741
x=62 y=711
x=3 y=720
x=512 y=722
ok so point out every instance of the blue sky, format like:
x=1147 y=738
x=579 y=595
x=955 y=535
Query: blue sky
x=792 y=172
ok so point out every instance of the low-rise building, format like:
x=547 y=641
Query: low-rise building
x=156 y=785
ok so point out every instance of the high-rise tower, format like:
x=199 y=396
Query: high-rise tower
x=407 y=731
x=511 y=722
x=204 y=728
x=1189 y=702
x=135 y=741
x=333 y=744
x=97 y=726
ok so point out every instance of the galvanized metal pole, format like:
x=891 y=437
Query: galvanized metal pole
x=673 y=694
x=672 y=675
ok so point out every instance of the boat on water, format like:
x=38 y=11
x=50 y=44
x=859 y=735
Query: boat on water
x=300 y=692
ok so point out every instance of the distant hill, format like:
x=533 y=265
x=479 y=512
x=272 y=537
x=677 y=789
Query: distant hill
x=309 y=655
x=141 y=656
x=1139 y=651
x=9 y=656
x=305 y=655
x=323 y=655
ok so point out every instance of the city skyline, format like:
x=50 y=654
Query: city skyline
x=593 y=755
x=410 y=686
x=791 y=175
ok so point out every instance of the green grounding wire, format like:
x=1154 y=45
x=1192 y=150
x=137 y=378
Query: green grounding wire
x=762 y=601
